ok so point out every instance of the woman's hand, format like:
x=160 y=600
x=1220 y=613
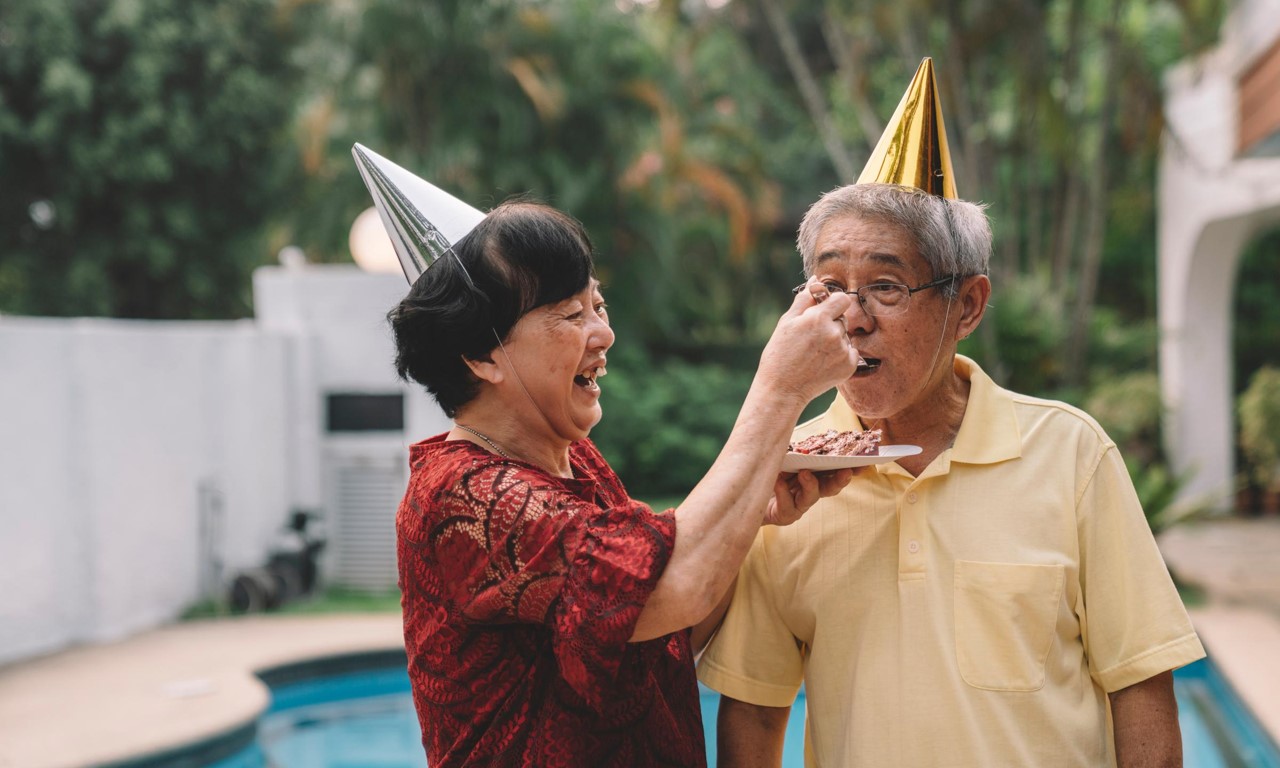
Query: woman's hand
x=808 y=354
x=810 y=350
x=794 y=493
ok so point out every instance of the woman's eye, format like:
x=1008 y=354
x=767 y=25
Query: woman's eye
x=600 y=308
x=834 y=287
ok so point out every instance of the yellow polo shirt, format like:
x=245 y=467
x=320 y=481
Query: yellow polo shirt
x=974 y=616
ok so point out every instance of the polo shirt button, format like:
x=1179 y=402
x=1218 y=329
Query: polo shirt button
x=911 y=497
x=913 y=546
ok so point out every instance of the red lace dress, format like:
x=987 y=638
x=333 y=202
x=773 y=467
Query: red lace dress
x=519 y=591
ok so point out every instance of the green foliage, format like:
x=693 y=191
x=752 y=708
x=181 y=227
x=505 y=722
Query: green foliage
x=666 y=420
x=339 y=600
x=1028 y=335
x=1157 y=487
x=656 y=130
x=1121 y=345
x=138 y=143
x=1259 y=410
x=332 y=600
x=1256 y=326
x=1128 y=407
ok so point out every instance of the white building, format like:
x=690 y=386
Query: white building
x=142 y=464
x=1219 y=189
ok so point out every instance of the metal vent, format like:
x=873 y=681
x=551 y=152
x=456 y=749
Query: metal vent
x=365 y=490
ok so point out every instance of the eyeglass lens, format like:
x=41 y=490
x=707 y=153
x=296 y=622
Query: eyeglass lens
x=879 y=299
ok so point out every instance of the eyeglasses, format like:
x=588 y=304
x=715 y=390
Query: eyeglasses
x=884 y=299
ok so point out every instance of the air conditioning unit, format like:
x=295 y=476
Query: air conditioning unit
x=365 y=470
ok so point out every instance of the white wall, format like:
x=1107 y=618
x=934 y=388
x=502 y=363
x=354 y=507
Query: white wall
x=109 y=429
x=336 y=316
x=114 y=436
x=336 y=319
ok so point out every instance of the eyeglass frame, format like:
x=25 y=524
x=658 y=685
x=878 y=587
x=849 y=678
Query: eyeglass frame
x=910 y=291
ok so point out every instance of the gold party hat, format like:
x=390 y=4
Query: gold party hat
x=913 y=149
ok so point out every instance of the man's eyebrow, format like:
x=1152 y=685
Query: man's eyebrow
x=888 y=259
x=885 y=259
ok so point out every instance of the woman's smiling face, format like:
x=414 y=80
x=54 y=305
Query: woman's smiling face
x=558 y=351
x=904 y=348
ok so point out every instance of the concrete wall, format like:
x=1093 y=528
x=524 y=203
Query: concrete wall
x=336 y=319
x=143 y=463
x=114 y=439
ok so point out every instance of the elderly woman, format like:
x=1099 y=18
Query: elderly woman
x=547 y=613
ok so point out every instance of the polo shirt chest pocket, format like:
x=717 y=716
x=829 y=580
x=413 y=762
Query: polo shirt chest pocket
x=1005 y=616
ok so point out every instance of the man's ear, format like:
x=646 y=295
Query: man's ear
x=974 y=293
x=484 y=368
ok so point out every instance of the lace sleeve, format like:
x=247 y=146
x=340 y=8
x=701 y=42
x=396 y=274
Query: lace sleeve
x=515 y=550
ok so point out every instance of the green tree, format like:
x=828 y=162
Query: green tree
x=1256 y=315
x=1259 y=410
x=653 y=128
x=1053 y=110
x=140 y=151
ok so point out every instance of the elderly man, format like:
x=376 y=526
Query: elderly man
x=985 y=602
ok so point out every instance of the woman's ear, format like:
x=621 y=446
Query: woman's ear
x=974 y=293
x=484 y=368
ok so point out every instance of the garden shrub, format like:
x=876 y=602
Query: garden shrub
x=665 y=420
x=1259 y=410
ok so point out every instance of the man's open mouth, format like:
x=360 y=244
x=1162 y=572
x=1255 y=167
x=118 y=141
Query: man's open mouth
x=868 y=364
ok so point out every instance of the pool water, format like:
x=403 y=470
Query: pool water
x=1217 y=730
x=365 y=719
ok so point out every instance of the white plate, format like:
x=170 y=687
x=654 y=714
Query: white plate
x=794 y=462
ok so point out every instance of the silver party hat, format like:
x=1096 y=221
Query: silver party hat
x=423 y=220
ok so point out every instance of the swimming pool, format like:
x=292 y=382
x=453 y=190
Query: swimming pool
x=356 y=712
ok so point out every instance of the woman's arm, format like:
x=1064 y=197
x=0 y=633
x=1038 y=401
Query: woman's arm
x=808 y=354
x=793 y=495
x=704 y=630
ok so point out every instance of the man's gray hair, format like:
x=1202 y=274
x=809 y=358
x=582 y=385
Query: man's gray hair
x=953 y=236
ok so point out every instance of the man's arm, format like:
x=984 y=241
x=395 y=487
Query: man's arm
x=1145 y=718
x=749 y=735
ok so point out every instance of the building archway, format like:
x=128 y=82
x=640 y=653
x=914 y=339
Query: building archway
x=1219 y=188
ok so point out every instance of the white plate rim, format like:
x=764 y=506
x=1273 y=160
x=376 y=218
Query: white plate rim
x=794 y=462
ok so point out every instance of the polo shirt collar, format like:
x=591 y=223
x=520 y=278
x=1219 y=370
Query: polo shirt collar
x=989 y=431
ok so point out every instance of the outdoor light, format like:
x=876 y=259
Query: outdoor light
x=370 y=246
x=292 y=257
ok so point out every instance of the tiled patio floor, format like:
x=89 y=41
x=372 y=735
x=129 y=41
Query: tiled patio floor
x=163 y=689
x=1236 y=563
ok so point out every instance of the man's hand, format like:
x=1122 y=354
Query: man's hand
x=794 y=493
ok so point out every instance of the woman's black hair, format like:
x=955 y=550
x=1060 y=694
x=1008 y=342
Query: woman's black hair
x=521 y=256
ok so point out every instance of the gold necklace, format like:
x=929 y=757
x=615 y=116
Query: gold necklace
x=492 y=444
